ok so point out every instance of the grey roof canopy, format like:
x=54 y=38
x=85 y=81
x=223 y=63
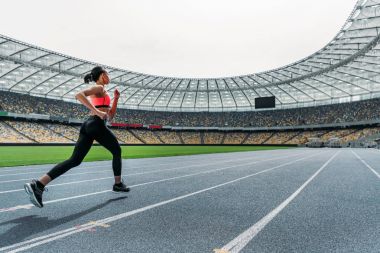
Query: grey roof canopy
x=347 y=69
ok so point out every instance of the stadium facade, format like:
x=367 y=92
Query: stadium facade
x=345 y=70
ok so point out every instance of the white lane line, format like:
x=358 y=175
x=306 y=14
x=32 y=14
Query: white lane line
x=44 y=166
x=95 y=166
x=66 y=175
x=89 y=165
x=26 y=206
x=237 y=244
x=366 y=164
x=86 y=166
x=146 y=161
x=21 y=246
x=142 y=173
x=74 y=174
x=26 y=173
x=14 y=208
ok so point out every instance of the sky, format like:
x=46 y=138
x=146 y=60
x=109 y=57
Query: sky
x=179 y=38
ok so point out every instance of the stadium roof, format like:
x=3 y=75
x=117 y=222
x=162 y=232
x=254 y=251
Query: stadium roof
x=347 y=69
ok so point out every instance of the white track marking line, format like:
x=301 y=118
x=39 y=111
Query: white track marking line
x=88 y=165
x=27 y=206
x=96 y=166
x=139 y=173
x=66 y=175
x=366 y=164
x=82 y=173
x=237 y=244
x=44 y=166
x=85 y=166
x=67 y=232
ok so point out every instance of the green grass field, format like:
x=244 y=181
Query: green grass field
x=28 y=155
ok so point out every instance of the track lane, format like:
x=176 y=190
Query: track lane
x=72 y=192
x=186 y=185
x=337 y=212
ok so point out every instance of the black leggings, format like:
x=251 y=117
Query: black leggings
x=92 y=129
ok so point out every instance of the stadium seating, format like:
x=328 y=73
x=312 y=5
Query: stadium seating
x=125 y=136
x=327 y=114
x=213 y=137
x=191 y=137
x=17 y=131
x=68 y=131
x=37 y=132
x=234 y=138
x=10 y=135
x=169 y=137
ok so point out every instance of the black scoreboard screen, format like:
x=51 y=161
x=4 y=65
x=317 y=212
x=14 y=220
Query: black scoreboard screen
x=265 y=102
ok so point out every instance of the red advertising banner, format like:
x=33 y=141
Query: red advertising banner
x=127 y=125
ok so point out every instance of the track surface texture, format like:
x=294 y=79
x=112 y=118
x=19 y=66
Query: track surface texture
x=296 y=200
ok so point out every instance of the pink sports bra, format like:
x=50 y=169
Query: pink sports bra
x=101 y=102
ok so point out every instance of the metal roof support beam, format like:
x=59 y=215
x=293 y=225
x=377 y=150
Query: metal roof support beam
x=290 y=84
x=6 y=73
x=332 y=86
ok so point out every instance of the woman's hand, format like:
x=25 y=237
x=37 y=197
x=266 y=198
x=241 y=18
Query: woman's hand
x=116 y=94
x=102 y=115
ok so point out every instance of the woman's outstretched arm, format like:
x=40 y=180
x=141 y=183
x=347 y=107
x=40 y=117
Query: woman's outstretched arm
x=112 y=112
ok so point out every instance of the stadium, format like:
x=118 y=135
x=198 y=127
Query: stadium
x=198 y=180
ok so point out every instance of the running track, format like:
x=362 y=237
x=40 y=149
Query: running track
x=296 y=200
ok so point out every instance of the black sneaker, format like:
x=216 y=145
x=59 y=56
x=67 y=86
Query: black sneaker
x=120 y=188
x=35 y=193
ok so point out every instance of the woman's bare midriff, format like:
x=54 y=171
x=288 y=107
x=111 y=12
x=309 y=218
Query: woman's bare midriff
x=106 y=110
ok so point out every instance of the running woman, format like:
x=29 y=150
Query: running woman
x=94 y=128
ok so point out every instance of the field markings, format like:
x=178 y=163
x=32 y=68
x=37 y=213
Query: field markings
x=43 y=172
x=89 y=166
x=42 y=166
x=83 y=167
x=27 y=206
x=90 y=172
x=66 y=175
x=138 y=173
x=190 y=158
x=238 y=243
x=28 y=244
x=366 y=164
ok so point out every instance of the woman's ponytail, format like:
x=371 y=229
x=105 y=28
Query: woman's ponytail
x=88 y=78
